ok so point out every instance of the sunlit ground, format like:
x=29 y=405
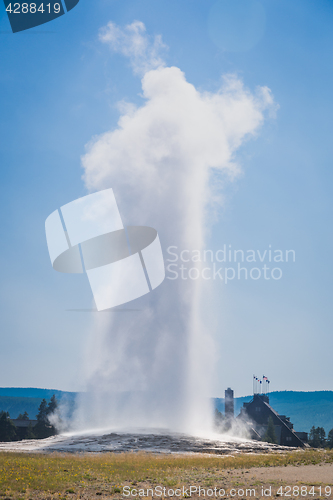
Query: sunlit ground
x=105 y=474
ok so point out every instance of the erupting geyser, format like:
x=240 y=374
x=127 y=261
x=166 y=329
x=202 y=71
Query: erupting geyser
x=151 y=367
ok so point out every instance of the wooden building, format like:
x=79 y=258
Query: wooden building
x=22 y=426
x=256 y=414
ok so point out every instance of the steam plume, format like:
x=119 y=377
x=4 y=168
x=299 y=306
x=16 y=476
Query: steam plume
x=152 y=367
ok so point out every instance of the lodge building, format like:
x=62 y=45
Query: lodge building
x=255 y=415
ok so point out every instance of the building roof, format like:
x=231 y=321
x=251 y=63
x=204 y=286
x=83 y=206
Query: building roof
x=23 y=423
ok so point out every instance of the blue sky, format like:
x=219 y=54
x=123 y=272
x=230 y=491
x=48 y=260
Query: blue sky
x=59 y=89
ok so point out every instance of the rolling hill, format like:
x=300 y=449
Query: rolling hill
x=18 y=400
x=305 y=409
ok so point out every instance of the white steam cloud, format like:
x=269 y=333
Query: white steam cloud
x=143 y=52
x=153 y=367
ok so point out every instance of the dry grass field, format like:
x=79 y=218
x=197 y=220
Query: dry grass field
x=94 y=476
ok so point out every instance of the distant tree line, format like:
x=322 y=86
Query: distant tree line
x=317 y=438
x=42 y=429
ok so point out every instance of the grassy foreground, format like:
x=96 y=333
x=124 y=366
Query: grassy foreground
x=31 y=476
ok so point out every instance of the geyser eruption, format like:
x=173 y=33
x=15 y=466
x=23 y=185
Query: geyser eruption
x=151 y=366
